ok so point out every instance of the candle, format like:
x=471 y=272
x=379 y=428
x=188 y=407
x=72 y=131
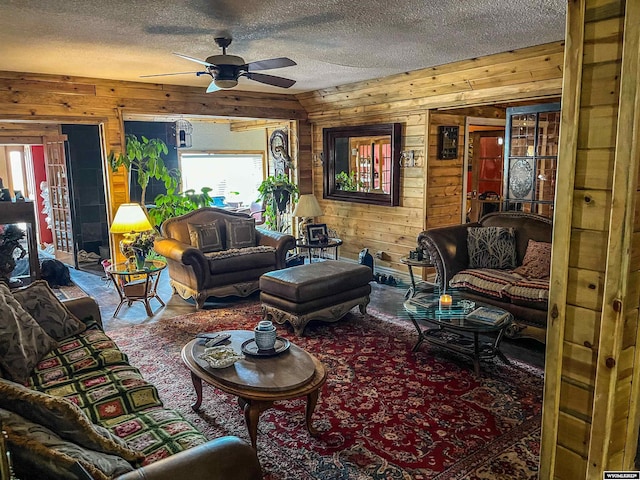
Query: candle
x=445 y=301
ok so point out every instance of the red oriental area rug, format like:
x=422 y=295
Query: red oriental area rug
x=384 y=413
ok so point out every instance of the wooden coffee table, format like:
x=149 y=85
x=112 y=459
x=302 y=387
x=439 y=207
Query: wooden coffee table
x=258 y=381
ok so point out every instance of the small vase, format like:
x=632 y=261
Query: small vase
x=140 y=258
x=265 y=335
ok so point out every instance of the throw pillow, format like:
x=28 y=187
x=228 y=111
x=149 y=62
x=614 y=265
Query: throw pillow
x=63 y=417
x=39 y=300
x=491 y=247
x=38 y=452
x=241 y=233
x=537 y=260
x=22 y=341
x=205 y=237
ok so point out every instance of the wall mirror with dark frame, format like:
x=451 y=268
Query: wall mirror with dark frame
x=362 y=163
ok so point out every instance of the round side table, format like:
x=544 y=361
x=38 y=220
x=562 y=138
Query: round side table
x=331 y=243
x=422 y=285
x=137 y=285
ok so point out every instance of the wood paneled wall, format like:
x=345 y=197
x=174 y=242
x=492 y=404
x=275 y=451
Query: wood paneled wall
x=590 y=421
x=431 y=192
x=64 y=99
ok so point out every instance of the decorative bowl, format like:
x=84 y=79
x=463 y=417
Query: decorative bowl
x=221 y=357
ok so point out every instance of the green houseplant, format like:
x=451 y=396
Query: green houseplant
x=144 y=156
x=173 y=204
x=275 y=193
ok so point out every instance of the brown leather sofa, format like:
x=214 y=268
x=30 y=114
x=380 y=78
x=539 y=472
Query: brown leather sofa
x=194 y=274
x=220 y=459
x=448 y=249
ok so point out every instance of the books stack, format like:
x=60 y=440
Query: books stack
x=489 y=315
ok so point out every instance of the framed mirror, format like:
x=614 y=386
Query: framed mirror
x=362 y=163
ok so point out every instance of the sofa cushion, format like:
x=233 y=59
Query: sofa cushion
x=236 y=259
x=22 y=341
x=537 y=260
x=527 y=290
x=39 y=300
x=206 y=236
x=492 y=282
x=241 y=233
x=157 y=433
x=64 y=418
x=89 y=351
x=491 y=247
x=39 y=452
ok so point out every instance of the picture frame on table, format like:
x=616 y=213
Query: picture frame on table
x=317 y=233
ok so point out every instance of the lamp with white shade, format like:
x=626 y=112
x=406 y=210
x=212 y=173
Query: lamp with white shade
x=130 y=220
x=307 y=208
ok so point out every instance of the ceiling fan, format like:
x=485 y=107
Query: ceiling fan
x=226 y=69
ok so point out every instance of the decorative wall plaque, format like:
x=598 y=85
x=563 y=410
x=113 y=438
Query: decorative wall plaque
x=448 y=142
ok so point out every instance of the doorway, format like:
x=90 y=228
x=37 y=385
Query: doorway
x=483 y=167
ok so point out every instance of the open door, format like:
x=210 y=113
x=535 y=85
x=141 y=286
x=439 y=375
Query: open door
x=59 y=195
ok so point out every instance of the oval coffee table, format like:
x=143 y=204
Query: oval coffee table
x=258 y=381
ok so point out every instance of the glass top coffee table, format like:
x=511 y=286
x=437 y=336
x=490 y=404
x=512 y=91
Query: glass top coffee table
x=459 y=328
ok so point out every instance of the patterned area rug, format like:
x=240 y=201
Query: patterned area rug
x=384 y=413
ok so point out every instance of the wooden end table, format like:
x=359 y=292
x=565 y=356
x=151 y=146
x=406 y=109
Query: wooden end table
x=258 y=381
x=137 y=285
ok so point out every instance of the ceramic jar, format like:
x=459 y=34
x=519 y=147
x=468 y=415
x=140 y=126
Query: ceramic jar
x=265 y=335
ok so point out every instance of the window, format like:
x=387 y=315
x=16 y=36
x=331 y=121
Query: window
x=225 y=174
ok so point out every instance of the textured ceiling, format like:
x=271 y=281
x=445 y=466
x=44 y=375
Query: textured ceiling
x=334 y=42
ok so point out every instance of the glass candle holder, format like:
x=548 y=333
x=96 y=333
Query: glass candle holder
x=445 y=301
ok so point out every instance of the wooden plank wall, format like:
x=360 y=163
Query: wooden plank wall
x=590 y=421
x=430 y=193
x=65 y=99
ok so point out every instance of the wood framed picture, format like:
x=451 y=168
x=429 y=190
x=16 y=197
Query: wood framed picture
x=448 y=142
x=317 y=233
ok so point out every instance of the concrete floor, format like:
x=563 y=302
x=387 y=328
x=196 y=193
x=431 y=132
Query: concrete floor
x=384 y=298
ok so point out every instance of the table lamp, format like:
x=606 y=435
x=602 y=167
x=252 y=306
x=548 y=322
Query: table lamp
x=130 y=219
x=307 y=208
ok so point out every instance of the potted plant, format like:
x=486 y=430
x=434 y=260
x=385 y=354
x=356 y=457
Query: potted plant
x=173 y=204
x=144 y=156
x=275 y=193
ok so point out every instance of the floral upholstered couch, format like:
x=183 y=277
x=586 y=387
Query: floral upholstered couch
x=503 y=259
x=74 y=408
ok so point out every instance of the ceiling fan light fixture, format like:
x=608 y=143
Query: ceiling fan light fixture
x=229 y=83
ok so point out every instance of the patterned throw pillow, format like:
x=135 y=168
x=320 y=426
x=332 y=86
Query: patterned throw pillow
x=22 y=341
x=537 y=260
x=42 y=304
x=63 y=417
x=241 y=233
x=39 y=452
x=491 y=247
x=205 y=237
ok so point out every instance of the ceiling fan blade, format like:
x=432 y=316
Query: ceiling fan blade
x=167 y=74
x=271 y=63
x=212 y=87
x=186 y=57
x=270 y=79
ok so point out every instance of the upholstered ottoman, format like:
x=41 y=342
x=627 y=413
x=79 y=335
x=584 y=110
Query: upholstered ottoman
x=317 y=291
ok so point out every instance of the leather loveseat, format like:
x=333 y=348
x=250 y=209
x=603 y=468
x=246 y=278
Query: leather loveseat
x=225 y=269
x=526 y=298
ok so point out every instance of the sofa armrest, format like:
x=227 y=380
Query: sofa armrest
x=84 y=308
x=447 y=247
x=219 y=459
x=282 y=242
x=178 y=251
